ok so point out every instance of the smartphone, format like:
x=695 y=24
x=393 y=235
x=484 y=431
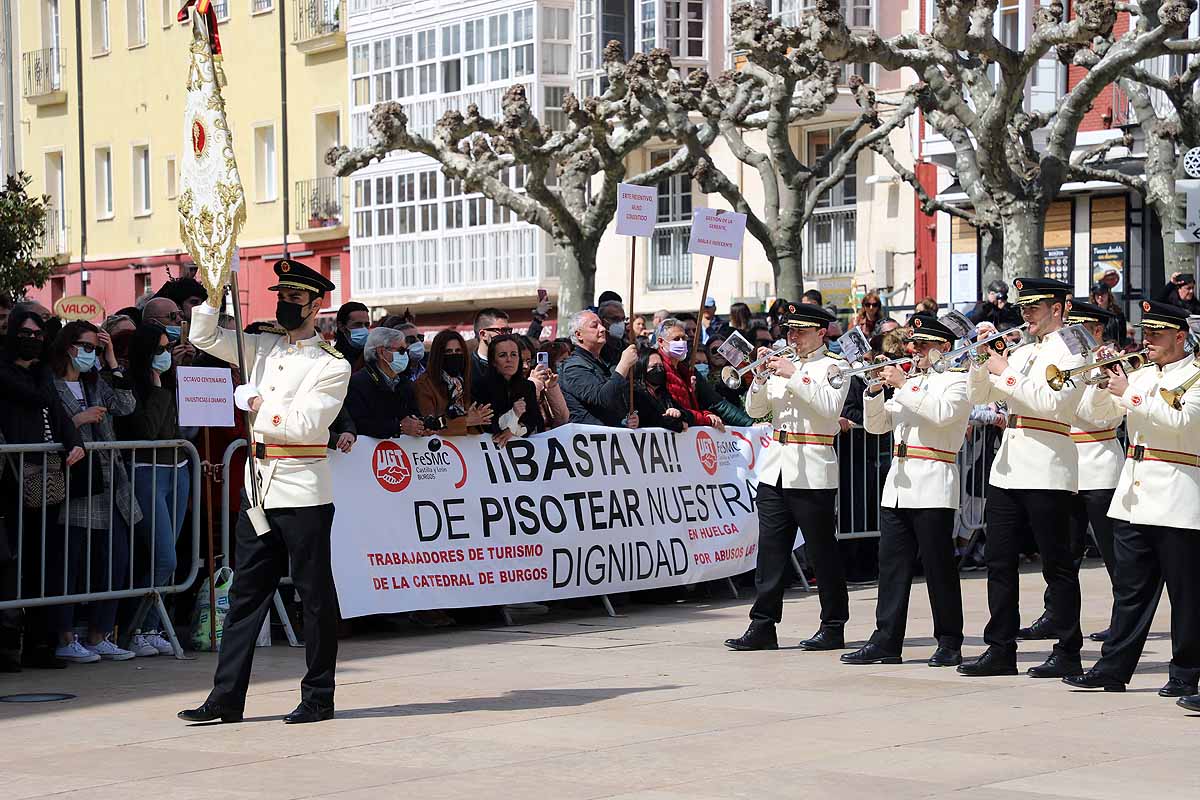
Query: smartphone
x=543 y=359
x=542 y=295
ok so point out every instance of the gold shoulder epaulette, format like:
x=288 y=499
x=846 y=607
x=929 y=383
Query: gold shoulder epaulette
x=959 y=369
x=333 y=351
x=835 y=356
x=274 y=330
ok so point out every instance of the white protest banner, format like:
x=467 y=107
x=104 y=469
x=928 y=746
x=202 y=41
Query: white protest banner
x=575 y=512
x=205 y=396
x=637 y=209
x=716 y=232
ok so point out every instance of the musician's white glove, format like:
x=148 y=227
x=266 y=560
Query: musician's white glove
x=243 y=394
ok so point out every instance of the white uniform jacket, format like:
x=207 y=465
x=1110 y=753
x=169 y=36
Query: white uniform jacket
x=302 y=386
x=805 y=409
x=1101 y=453
x=1160 y=481
x=1036 y=451
x=927 y=418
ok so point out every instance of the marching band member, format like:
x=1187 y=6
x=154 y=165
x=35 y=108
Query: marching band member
x=927 y=417
x=798 y=482
x=1100 y=458
x=1156 y=509
x=1034 y=475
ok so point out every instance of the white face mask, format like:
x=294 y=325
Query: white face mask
x=617 y=330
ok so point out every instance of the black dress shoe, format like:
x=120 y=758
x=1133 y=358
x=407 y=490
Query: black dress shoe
x=992 y=662
x=1040 y=629
x=1099 y=636
x=945 y=657
x=306 y=712
x=870 y=654
x=210 y=712
x=1094 y=679
x=1190 y=703
x=829 y=637
x=1057 y=665
x=758 y=636
x=1176 y=687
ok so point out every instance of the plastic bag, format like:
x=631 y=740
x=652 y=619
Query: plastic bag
x=203 y=613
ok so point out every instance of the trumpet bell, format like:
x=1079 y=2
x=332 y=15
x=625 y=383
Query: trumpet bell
x=1056 y=378
x=836 y=377
x=731 y=377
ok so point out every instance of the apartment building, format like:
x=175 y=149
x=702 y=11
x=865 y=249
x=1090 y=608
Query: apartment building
x=100 y=127
x=419 y=242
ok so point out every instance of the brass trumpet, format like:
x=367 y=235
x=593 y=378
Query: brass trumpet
x=732 y=376
x=1059 y=378
x=939 y=362
x=838 y=376
x=1174 y=397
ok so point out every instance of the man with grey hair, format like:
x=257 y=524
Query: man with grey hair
x=612 y=314
x=380 y=401
x=596 y=393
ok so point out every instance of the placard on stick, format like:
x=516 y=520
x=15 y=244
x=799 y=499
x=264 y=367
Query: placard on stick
x=716 y=232
x=637 y=209
x=205 y=397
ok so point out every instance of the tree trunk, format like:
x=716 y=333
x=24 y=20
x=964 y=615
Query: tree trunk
x=577 y=279
x=1024 y=232
x=789 y=276
x=1177 y=257
x=991 y=265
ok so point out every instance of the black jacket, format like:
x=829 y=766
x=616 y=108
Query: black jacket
x=1002 y=318
x=26 y=393
x=1170 y=294
x=377 y=408
x=502 y=394
x=651 y=410
x=156 y=419
x=596 y=394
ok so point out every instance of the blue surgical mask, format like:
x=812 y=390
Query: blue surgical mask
x=162 y=361
x=702 y=369
x=678 y=349
x=174 y=333
x=416 y=351
x=84 y=361
x=617 y=330
x=358 y=336
x=399 y=362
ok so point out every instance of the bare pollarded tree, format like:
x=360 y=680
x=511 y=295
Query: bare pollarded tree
x=570 y=190
x=1010 y=160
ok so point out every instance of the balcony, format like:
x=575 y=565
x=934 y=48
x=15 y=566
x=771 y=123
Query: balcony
x=319 y=205
x=670 y=262
x=41 y=72
x=318 y=25
x=54 y=236
x=830 y=243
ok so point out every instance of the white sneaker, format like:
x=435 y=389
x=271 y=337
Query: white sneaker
x=159 y=643
x=76 y=653
x=141 y=647
x=109 y=651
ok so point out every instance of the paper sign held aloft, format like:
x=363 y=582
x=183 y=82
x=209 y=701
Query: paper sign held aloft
x=1078 y=340
x=854 y=346
x=736 y=350
x=637 y=209
x=957 y=321
x=716 y=232
x=205 y=397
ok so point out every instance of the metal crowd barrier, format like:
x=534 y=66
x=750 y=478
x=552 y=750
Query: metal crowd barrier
x=117 y=587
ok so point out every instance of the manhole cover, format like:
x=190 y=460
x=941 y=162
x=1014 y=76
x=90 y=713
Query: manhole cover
x=46 y=697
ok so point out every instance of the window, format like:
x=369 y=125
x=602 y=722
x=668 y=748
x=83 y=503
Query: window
x=522 y=31
x=647 y=32
x=477 y=211
x=141 y=180
x=135 y=19
x=262 y=6
x=451 y=68
x=556 y=41
x=846 y=192
x=553 y=96
x=453 y=207
x=858 y=13
x=221 y=8
x=427 y=193
x=405 y=55
x=670 y=263
x=427 y=53
x=360 y=68
x=587 y=35
x=170 y=9
x=363 y=197
x=684 y=28
x=385 y=198
x=104 y=183
x=264 y=164
x=172 y=178
x=674 y=193
x=100 y=42
x=616 y=24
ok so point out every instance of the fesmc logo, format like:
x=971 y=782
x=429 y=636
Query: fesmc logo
x=395 y=468
x=713 y=454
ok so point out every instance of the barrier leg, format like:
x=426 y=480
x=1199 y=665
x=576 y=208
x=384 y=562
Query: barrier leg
x=136 y=621
x=289 y=631
x=507 y=617
x=169 y=629
x=608 y=606
x=800 y=572
x=732 y=587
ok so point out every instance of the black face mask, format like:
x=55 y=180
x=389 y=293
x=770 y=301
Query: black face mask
x=454 y=364
x=29 y=349
x=656 y=377
x=289 y=315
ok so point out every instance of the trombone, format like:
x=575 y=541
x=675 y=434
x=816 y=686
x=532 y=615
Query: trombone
x=732 y=376
x=838 y=376
x=939 y=362
x=1059 y=378
x=1174 y=397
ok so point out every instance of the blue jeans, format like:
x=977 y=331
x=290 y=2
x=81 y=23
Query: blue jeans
x=162 y=493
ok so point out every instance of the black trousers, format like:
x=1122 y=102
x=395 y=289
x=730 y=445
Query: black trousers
x=905 y=534
x=1146 y=557
x=303 y=534
x=780 y=512
x=1090 y=507
x=1046 y=513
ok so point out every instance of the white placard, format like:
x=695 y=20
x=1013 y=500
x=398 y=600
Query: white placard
x=716 y=232
x=1078 y=340
x=956 y=321
x=736 y=350
x=637 y=209
x=205 y=396
x=854 y=346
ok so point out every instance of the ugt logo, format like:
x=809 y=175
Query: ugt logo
x=706 y=448
x=392 y=467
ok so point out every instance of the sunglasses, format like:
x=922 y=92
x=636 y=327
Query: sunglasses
x=85 y=347
x=25 y=333
x=158 y=351
x=871 y=305
x=501 y=331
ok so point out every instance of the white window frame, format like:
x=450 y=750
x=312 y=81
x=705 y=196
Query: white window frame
x=105 y=194
x=268 y=191
x=135 y=24
x=100 y=14
x=523 y=35
x=141 y=179
x=171 y=181
x=682 y=41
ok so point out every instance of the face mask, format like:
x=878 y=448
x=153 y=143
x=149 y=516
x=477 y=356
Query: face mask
x=617 y=330
x=174 y=333
x=399 y=362
x=84 y=361
x=358 y=336
x=454 y=365
x=29 y=349
x=289 y=315
x=702 y=370
x=678 y=349
x=416 y=351
x=162 y=361
x=656 y=376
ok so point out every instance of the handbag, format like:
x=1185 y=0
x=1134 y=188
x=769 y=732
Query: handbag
x=42 y=490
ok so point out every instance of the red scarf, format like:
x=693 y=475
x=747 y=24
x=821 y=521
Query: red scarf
x=679 y=384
